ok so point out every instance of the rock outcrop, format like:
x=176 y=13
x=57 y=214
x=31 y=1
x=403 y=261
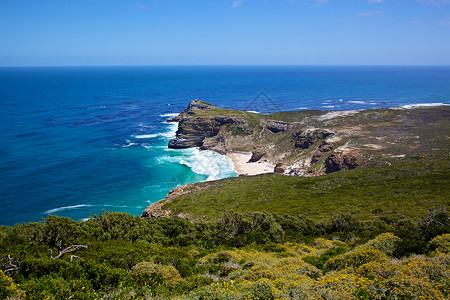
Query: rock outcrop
x=277 y=126
x=323 y=149
x=279 y=168
x=306 y=138
x=256 y=155
x=343 y=161
x=193 y=130
x=194 y=105
x=157 y=210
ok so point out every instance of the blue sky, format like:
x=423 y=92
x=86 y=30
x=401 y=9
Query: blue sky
x=209 y=32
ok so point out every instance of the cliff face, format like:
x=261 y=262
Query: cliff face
x=194 y=131
x=310 y=143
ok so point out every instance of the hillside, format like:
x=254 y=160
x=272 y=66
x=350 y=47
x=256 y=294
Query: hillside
x=375 y=164
x=406 y=190
x=317 y=142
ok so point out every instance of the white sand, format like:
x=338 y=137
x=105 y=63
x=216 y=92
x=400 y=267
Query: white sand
x=243 y=167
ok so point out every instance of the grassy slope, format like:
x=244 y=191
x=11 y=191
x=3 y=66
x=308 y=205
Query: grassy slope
x=409 y=189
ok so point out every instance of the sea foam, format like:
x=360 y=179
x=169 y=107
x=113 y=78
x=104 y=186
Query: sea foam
x=167 y=134
x=58 y=209
x=409 y=106
x=204 y=162
x=170 y=115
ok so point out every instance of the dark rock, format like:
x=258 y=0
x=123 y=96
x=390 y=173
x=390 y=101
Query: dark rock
x=277 y=126
x=316 y=156
x=194 y=105
x=296 y=172
x=256 y=156
x=324 y=148
x=216 y=143
x=342 y=161
x=176 y=118
x=305 y=138
x=193 y=130
x=279 y=168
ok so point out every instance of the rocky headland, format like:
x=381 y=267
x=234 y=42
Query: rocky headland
x=310 y=143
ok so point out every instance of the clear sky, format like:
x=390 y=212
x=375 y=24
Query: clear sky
x=210 y=32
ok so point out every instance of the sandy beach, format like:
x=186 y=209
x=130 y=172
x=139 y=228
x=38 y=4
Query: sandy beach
x=243 y=167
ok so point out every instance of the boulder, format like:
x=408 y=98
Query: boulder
x=323 y=149
x=303 y=139
x=279 y=168
x=342 y=161
x=277 y=126
x=256 y=156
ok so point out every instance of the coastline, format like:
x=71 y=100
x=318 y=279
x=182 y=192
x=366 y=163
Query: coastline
x=243 y=167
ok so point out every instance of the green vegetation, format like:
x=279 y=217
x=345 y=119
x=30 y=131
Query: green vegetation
x=253 y=255
x=409 y=189
x=381 y=232
x=255 y=118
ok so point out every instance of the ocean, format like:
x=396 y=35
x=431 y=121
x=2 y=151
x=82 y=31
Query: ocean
x=76 y=141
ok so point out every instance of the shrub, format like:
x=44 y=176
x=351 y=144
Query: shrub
x=151 y=272
x=8 y=289
x=343 y=223
x=440 y=244
x=245 y=228
x=385 y=242
x=377 y=270
x=47 y=287
x=262 y=290
x=331 y=286
x=297 y=266
x=376 y=249
x=321 y=243
x=355 y=258
x=415 y=278
x=320 y=259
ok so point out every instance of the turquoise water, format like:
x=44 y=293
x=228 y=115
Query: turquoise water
x=79 y=140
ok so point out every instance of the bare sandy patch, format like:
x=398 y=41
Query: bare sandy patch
x=335 y=114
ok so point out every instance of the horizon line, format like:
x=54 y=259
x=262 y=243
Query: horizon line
x=230 y=65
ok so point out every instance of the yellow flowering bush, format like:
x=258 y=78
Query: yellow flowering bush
x=377 y=250
x=384 y=242
x=321 y=243
x=330 y=286
x=355 y=258
x=377 y=270
x=8 y=289
x=441 y=243
x=147 y=269
x=365 y=272
x=241 y=257
x=324 y=244
x=297 y=250
x=297 y=266
x=417 y=277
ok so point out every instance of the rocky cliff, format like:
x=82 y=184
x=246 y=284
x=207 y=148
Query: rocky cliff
x=310 y=143
x=307 y=143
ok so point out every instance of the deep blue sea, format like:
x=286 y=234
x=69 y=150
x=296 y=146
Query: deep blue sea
x=79 y=140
